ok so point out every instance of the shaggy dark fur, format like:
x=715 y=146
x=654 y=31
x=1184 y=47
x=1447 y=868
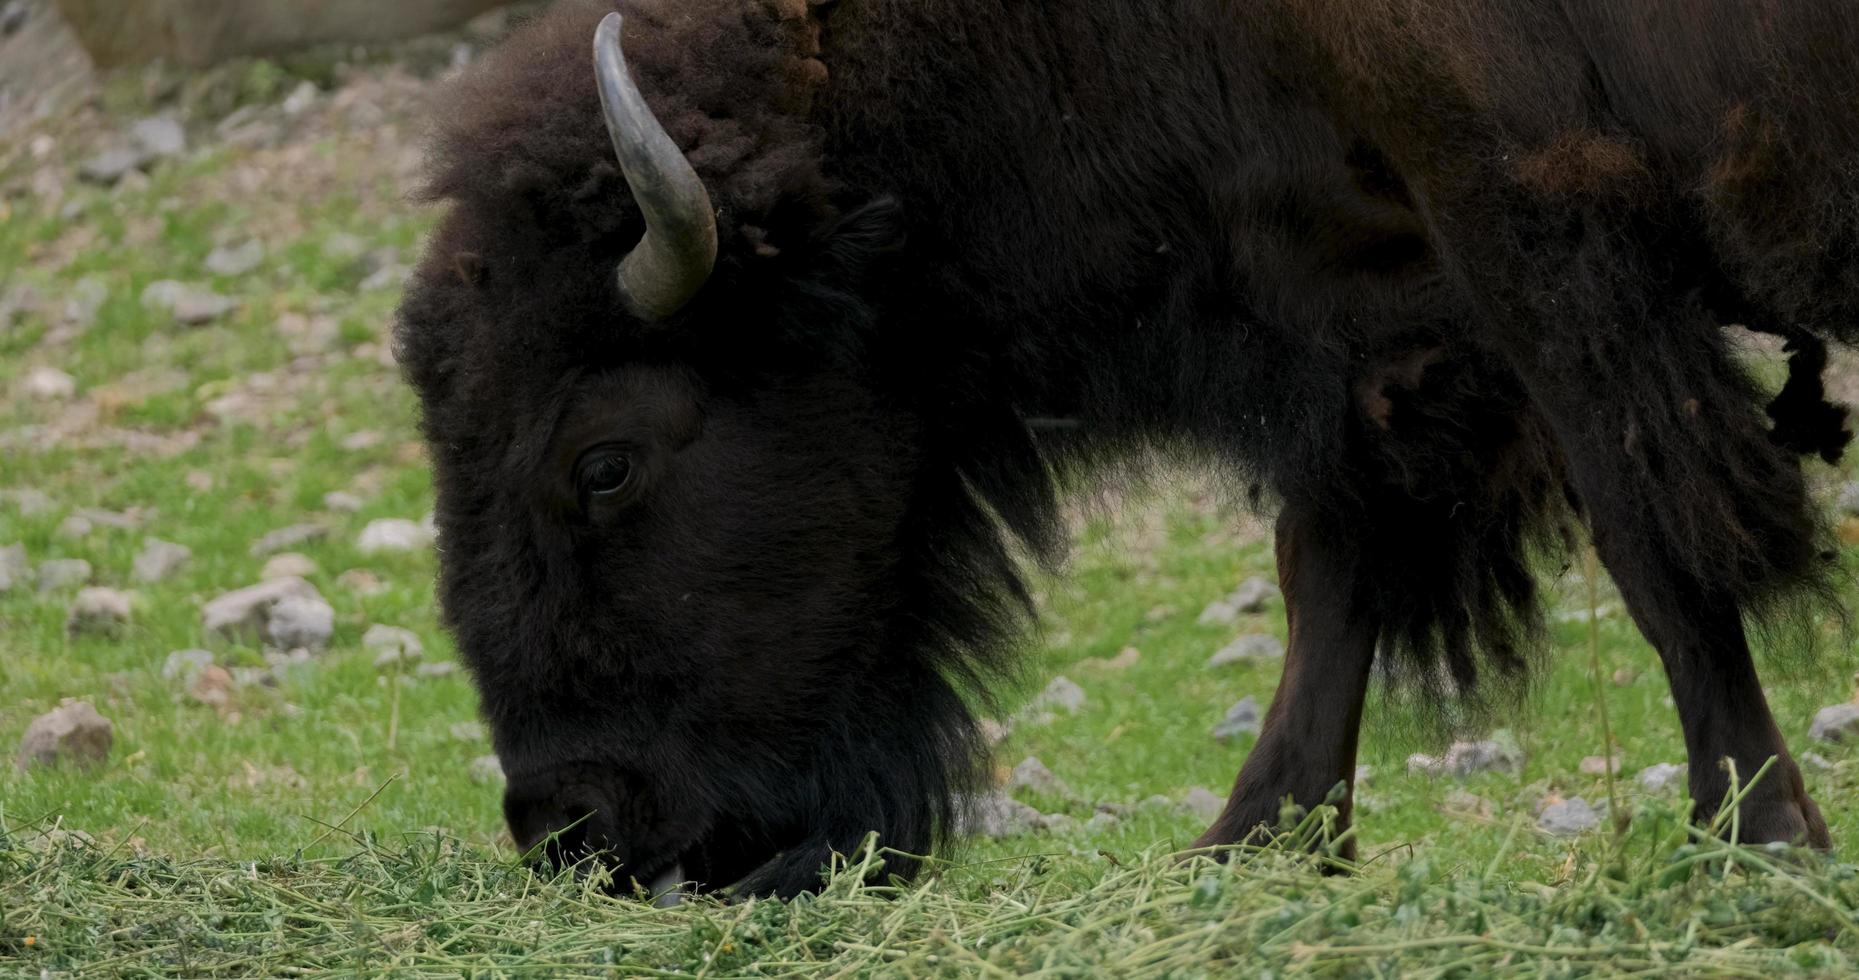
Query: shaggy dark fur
x=1440 y=278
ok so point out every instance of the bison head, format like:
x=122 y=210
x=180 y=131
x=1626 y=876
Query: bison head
x=704 y=544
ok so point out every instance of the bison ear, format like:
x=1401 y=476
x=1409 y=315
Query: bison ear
x=862 y=237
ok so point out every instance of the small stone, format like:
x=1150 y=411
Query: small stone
x=195 y=308
x=1253 y=646
x=1467 y=758
x=342 y=500
x=1203 y=803
x=997 y=815
x=185 y=666
x=48 y=384
x=1659 y=777
x=362 y=582
x=1816 y=762
x=1460 y=801
x=232 y=261
x=393 y=534
x=1241 y=719
x=30 y=502
x=363 y=440
x=1218 y=613
x=1835 y=723
x=486 y=769
x=242 y=615
x=13 y=16
x=300 y=98
x=1362 y=775
x=1595 y=765
x=993 y=732
x=63 y=573
x=467 y=731
x=394 y=645
x=1060 y=695
x=1566 y=818
x=290 y=564
x=435 y=669
x=162 y=294
x=159 y=560
x=213 y=686
x=296 y=621
x=1032 y=774
x=72 y=733
x=1625 y=676
x=344 y=247
x=1252 y=595
x=1101 y=822
x=14 y=568
x=112 y=165
x=159 y=136
x=285 y=538
x=1848 y=502
x=75 y=526
x=99 y=611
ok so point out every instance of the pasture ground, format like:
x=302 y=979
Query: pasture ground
x=331 y=822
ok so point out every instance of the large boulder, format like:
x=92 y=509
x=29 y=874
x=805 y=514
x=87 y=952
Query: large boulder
x=196 y=33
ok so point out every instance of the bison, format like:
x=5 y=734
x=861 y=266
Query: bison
x=760 y=336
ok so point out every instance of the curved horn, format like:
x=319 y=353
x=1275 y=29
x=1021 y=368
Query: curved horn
x=674 y=258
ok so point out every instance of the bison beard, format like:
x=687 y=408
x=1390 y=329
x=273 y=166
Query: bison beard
x=1439 y=283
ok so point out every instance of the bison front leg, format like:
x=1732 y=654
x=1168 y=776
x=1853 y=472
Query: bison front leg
x=1307 y=749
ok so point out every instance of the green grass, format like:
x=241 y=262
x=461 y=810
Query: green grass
x=331 y=824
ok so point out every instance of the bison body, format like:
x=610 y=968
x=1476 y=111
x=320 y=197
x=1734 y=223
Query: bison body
x=1441 y=282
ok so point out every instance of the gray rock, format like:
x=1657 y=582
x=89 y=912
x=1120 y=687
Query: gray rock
x=994 y=732
x=233 y=261
x=197 y=307
x=99 y=611
x=31 y=502
x=467 y=731
x=1499 y=753
x=72 y=733
x=1060 y=695
x=1253 y=646
x=392 y=646
x=285 y=538
x=342 y=500
x=300 y=623
x=1101 y=822
x=1461 y=801
x=300 y=99
x=48 y=384
x=997 y=815
x=1032 y=774
x=162 y=294
x=1566 y=818
x=1595 y=765
x=63 y=573
x=1241 y=719
x=1816 y=762
x=393 y=534
x=343 y=247
x=112 y=165
x=1848 y=501
x=288 y=564
x=185 y=666
x=1835 y=723
x=1252 y=595
x=159 y=136
x=486 y=770
x=1203 y=803
x=435 y=669
x=75 y=526
x=14 y=568
x=1661 y=777
x=242 y=615
x=1218 y=613
x=160 y=560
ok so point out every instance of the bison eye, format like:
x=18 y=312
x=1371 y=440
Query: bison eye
x=603 y=473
